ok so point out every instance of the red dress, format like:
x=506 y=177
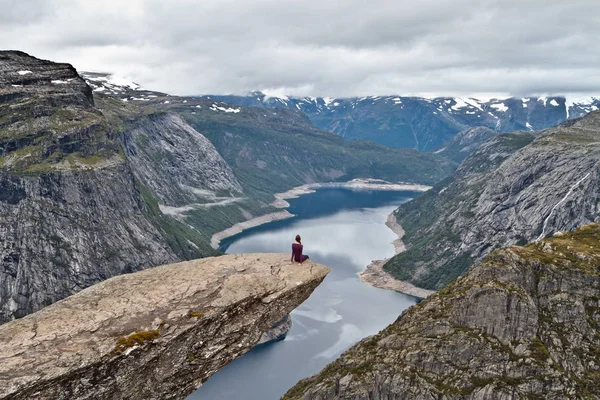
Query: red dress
x=297 y=253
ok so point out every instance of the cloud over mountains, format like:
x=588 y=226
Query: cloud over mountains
x=320 y=48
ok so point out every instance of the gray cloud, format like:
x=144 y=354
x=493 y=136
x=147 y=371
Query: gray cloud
x=321 y=48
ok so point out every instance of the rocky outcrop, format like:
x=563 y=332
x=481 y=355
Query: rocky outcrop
x=512 y=190
x=522 y=324
x=154 y=334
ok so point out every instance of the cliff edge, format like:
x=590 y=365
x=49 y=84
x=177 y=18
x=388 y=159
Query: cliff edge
x=154 y=334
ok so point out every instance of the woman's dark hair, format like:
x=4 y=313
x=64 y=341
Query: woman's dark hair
x=298 y=238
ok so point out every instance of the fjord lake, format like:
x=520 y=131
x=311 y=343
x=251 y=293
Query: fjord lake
x=345 y=230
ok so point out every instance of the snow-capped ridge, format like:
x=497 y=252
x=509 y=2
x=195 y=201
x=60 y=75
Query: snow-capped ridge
x=116 y=84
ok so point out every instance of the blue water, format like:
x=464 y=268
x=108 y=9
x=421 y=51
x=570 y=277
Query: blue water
x=344 y=229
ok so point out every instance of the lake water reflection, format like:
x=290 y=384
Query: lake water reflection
x=344 y=229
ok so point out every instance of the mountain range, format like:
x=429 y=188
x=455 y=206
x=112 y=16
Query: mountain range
x=421 y=123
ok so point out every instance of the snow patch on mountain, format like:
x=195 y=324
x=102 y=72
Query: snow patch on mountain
x=100 y=82
x=462 y=102
x=499 y=107
x=328 y=100
x=459 y=103
x=274 y=94
x=215 y=107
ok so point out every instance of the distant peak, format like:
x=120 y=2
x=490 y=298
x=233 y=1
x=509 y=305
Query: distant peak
x=274 y=93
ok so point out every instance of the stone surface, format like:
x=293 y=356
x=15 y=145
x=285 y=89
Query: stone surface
x=522 y=324
x=277 y=332
x=195 y=316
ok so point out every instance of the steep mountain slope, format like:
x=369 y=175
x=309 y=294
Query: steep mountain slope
x=523 y=324
x=179 y=165
x=464 y=143
x=419 y=123
x=72 y=205
x=71 y=214
x=499 y=197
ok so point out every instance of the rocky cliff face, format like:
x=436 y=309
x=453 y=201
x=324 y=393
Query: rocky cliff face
x=419 y=123
x=155 y=334
x=523 y=324
x=510 y=191
x=62 y=232
x=178 y=164
x=71 y=211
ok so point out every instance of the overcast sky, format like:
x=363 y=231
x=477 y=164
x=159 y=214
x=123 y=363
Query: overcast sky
x=320 y=47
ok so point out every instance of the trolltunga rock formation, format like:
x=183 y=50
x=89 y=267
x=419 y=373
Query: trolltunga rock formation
x=154 y=334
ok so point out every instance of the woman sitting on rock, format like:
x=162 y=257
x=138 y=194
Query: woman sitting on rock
x=297 y=251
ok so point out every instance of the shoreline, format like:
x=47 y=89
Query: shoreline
x=375 y=275
x=359 y=184
x=280 y=202
x=215 y=240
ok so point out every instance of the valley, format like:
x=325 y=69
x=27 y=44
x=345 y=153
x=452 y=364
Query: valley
x=178 y=170
x=117 y=204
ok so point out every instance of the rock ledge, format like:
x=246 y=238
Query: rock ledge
x=154 y=334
